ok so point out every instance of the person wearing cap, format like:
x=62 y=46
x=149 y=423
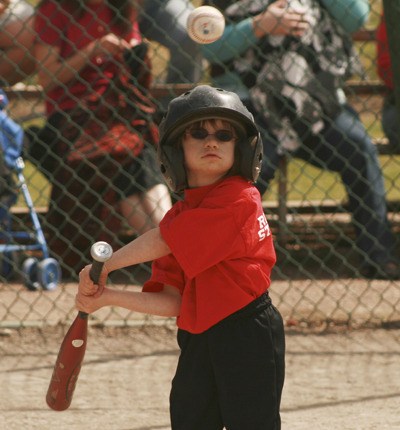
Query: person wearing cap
x=212 y=255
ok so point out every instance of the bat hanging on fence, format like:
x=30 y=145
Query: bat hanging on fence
x=73 y=347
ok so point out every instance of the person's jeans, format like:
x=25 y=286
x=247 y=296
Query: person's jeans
x=345 y=147
x=165 y=23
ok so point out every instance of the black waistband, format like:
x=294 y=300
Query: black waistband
x=253 y=307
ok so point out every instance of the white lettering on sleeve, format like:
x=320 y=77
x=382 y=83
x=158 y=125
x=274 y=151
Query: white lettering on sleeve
x=264 y=230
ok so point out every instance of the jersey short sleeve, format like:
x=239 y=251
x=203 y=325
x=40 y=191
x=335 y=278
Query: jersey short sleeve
x=165 y=271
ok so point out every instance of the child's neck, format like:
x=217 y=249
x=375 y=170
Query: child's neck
x=204 y=181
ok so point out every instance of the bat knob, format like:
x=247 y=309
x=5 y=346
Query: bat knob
x=101 y=251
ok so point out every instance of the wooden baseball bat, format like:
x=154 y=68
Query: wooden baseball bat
x=72 y=351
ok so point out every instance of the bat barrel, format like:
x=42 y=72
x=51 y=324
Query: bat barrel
x=68 y=365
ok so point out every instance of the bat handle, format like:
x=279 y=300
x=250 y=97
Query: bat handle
x=100 y=252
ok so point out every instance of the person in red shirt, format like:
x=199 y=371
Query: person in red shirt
x=385 y=72
x=98 y=143
x=212 y=255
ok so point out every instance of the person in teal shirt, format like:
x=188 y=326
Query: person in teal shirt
x=288 y=61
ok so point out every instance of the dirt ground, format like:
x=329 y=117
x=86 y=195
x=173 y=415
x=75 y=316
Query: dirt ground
x=342 y=380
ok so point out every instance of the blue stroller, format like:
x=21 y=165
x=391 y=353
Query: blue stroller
x=44 y=273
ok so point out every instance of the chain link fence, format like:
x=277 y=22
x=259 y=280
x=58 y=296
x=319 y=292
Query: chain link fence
x=317 y=278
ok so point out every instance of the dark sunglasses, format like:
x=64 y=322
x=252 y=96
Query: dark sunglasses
x=202 y=133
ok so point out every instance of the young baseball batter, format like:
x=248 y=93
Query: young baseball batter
x=213 y=255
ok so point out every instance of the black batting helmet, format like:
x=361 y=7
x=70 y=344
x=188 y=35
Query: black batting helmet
x=202 y=103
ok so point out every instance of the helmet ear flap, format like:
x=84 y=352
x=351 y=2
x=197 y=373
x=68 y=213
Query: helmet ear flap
x=172 y=166
x=251 y=157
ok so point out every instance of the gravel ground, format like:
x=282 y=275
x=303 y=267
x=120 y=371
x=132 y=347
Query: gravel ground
x=336 y=379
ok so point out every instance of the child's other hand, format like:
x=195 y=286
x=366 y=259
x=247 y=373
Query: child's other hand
x=88 y=304
x=87 y=287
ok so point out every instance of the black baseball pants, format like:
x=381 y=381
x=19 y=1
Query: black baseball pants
x=232 y=375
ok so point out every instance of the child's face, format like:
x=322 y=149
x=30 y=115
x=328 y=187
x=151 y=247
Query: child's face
x=209 y=150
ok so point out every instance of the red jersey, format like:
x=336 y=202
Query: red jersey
x=55 y=26
x=222 y=252
x=383 y=55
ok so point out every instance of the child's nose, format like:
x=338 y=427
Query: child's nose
x=211 y=141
